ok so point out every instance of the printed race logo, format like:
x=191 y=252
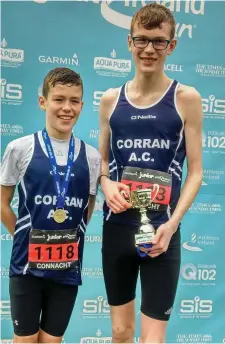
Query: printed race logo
x=196 y=308
x=15 y=201
x=194 y=338
x=210 y=70
x=11 y=94
x=212 y=175
x=92 y=272
x=10 y=57
x=94 y=134
x=205 y=208
x=59 y=60
x=106 y=66
x=197 y=243
x=4 y=272
x=114 y=16
x=6 y=237
x=196 y=275
x=96 y=100
x=11 y=129
x=213 y=108
x=96 y=308
x=174 y=68
x=97 y=339
x=5 y=310
x=117 y=18
x=93 y=239
x=98 y=205
x=213 y=142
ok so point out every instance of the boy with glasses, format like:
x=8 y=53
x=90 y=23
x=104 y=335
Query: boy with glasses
x=147 y=128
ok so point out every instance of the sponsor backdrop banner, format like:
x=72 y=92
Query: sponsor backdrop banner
x=91 y=38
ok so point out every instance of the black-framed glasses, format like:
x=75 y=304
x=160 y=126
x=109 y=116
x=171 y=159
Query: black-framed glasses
x=143 y=42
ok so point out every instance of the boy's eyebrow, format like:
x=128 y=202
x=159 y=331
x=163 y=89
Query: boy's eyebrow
x=63 y=96
x=156 y=37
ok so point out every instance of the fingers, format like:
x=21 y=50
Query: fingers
x=157 y=250
x=117 y=203
x=124 y=187
x=154 y=255
x=122 y=201
x=156 y=238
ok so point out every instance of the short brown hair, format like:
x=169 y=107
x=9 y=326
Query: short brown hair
x=152 y=16
x=64 y=76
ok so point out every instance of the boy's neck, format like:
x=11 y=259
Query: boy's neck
x=58 y=134
x=144 y=84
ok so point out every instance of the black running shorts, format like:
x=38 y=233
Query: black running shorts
x=121 y=265
x=38 y=303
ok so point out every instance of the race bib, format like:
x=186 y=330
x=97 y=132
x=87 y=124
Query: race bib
x=53 y=249
x=142 y=178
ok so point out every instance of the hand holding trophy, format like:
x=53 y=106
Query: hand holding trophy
x=142 y=199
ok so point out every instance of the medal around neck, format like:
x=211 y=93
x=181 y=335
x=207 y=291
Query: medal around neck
x=61 y=188
x=142 y=199
x=59 y=215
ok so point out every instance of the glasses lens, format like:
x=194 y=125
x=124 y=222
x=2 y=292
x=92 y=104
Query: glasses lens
x=140 y=42
x=159 y=44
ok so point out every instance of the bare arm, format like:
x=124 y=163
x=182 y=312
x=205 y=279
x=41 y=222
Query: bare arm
x=110 y=188
x=8 y=216
x=190 y=105
x=106 y=105
x=91 y=205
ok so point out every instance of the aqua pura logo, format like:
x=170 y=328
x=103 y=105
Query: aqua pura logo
x=10 y=57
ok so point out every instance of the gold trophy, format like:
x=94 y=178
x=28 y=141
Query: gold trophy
x=142 y=199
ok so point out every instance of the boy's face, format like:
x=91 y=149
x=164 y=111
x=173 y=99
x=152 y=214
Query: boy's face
x=149 y=60
x=63 y=106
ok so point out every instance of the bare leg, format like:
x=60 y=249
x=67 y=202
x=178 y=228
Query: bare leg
x=152 y=330
x=123 y=323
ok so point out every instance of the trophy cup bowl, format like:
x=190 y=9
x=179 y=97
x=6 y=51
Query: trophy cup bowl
x=142 y=199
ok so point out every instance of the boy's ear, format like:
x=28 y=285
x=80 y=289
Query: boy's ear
x=42 y=102
x=129 y=42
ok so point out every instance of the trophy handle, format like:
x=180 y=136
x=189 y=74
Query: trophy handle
x=127 y=198
x=143 y=253
x=155 y=187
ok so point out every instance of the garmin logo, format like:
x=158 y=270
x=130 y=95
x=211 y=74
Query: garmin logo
x=59 y=60
x=143 y=117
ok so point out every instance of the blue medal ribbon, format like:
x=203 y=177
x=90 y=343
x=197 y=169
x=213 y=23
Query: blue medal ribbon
x=61 y=190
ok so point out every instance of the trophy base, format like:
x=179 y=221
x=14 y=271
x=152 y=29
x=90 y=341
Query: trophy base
x=144 y=238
